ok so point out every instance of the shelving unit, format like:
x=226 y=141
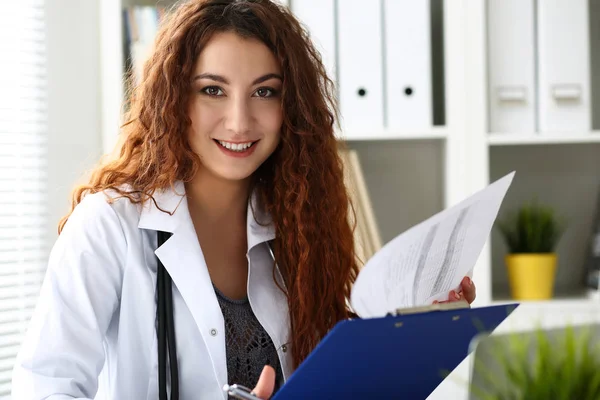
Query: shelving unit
x=511 y=139
x=434 y=133
x=412 y=174
x=561 y=169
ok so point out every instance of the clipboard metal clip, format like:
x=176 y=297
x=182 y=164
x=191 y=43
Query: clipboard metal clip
x=455 y=305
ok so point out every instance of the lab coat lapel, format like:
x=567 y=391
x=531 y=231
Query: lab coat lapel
x=270 y=303
x=182 y=258
x=260 y=227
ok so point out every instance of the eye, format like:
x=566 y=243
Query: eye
x=213 y=91
x=265 y=92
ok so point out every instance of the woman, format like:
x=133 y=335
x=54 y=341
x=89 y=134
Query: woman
x=230 y=150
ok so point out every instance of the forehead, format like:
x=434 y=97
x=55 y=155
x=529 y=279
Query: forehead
x=233 y=56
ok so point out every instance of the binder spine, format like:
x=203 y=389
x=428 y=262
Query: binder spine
x=511 y=60
x=407 y=63
x=564 y=66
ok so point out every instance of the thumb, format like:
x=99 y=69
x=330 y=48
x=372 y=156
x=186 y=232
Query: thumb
x=266 y=383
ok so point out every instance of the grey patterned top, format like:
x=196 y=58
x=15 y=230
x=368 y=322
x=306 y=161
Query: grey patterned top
x=249 y=347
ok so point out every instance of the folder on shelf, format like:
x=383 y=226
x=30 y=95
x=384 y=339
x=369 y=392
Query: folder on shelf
x=360 y=78
x=366 y=235
x=400 y=357
x=408 y=64
x=511 y=60
x=318 y=16
x=564 y=66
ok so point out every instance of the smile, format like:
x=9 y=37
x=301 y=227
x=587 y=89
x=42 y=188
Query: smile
x=239 y=147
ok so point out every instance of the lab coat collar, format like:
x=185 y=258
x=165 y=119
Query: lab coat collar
x=260 y=227
x=182 y=257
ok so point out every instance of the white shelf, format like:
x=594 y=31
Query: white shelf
x=580 y=297
x=510 y=139
x=390 y=134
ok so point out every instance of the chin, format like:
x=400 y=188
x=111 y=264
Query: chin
x=234 y=176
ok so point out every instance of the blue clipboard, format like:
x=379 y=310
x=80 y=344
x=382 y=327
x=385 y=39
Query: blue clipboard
x=394 y=357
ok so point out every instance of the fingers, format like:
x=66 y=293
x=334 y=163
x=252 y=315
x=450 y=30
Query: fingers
x=452 y=297
x=466 y=293
x=266 y=383
x=468 y=289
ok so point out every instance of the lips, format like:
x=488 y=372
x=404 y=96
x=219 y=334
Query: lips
x=237 y=147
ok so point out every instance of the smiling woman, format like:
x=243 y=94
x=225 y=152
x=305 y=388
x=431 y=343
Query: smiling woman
x=217 y=240
x=228 y=162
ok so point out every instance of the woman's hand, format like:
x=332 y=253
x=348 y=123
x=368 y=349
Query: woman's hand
x=466 y=292
x=266 y=383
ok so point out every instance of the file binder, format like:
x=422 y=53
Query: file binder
x=400 y=357
x=360 y=66
x=318 y=16
x=408 y=64
x=511 y=60
x=564 y=66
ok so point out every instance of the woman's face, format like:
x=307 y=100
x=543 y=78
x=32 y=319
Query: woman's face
x=235 y=106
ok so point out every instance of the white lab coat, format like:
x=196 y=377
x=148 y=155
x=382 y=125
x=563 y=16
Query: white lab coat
x=93 y=333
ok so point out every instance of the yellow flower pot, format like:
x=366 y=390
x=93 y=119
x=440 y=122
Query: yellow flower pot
x=531 y=276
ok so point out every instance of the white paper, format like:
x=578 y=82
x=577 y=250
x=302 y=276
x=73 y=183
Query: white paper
x=429 y=260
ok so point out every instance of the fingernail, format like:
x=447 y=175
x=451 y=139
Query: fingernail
x=469 y=281
x=456 y=295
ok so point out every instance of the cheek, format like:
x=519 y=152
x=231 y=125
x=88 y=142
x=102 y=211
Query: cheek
x=203 y=119
x=272 y=120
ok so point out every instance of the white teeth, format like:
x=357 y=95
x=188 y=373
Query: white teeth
x=235 y=146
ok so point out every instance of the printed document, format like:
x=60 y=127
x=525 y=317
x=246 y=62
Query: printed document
x=429 y=260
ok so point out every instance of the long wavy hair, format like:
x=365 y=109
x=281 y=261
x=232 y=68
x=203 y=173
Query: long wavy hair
x=301 y=185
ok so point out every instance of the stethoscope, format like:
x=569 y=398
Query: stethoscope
x=165 y=330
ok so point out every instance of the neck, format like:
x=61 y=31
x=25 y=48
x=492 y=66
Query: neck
x=217 y=200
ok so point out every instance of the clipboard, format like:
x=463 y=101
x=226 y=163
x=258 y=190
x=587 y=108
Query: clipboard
x=392 y=357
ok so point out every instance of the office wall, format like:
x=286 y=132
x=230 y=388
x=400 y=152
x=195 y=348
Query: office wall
x=74 y=142
x=595 y=60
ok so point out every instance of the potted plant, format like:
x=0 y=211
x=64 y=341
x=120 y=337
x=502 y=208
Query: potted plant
x=531 y=234
x=560 y=363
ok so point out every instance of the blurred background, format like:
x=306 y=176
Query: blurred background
x=438 y=98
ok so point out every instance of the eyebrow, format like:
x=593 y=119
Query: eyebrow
x=222 y=79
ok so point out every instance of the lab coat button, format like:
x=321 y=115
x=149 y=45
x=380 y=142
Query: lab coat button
x=213 y=332
x=284 y=348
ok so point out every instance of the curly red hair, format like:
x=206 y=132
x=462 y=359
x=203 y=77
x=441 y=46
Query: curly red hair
x=301 y=185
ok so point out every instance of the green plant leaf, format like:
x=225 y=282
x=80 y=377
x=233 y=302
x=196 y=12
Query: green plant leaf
x=539 y=367
x=533 y=228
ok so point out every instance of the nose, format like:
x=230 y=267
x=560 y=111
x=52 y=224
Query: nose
x=238 y=117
